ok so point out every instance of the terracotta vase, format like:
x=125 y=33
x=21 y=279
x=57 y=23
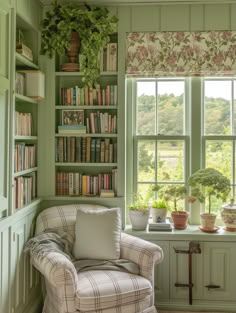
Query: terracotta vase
x=180 y=219
x=72 y=53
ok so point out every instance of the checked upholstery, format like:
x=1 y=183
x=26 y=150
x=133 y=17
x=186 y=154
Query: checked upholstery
x=95 y=291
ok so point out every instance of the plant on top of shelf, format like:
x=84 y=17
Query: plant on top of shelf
x=94 y=26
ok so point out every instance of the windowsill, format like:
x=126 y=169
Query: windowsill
x=192 y=232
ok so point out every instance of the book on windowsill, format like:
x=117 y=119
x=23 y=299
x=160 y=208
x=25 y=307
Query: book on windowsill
x=164 y=226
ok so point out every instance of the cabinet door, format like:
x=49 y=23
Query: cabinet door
x=219 y=271
x=162 y=273
x=18 y=265
x=4 y=270
x=179 y=271
x=32 y=275
x=4 y=103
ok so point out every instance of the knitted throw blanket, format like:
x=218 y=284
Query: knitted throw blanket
x=62 y=242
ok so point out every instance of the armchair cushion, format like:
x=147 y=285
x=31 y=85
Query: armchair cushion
x=99 y=290
x=97 y=234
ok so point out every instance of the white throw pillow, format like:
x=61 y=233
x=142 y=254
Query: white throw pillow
x=97 y=234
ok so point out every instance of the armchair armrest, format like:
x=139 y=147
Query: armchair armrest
x=57 y=269
x=142 y=252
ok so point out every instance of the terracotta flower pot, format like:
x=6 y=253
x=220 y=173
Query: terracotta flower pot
x=72 y=53
x=180 y=219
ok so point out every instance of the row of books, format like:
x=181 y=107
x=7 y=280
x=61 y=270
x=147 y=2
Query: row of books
x=101 y=123
x=23 y=124
x=109 y=57
x=24 y=156
x=71 y=129
x=24 y=190
x=20 y=83
x=89 y=96
x=78 y=184
x=85 y=149
x=96 y=123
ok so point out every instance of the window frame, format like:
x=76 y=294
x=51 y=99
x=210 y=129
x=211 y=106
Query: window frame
x=133 y=138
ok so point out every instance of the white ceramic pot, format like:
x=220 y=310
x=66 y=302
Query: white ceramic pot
x=139 y=219
x=228 y=215
x=208 y=221
x=158 y=215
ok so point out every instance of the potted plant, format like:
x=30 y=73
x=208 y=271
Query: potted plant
x=139 y=212
x=94 y=27
x=159 y=210
x=206 y=184
x=174 y=193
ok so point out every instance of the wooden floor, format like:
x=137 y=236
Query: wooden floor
x=161 y=311
x=185 y=312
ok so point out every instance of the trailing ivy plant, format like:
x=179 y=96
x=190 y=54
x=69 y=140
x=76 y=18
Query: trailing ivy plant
x=94 y=27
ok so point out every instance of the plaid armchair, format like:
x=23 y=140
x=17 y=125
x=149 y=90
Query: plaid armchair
x=95 y=291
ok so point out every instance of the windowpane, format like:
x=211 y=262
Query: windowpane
x=217 y=100
x=234 y=103
x=219 y=156
x=146 y=156
x=170 y=160
x=171 y=107
x=146 y=104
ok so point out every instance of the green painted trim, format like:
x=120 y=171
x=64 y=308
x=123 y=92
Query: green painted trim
x=21 y=98
x=85 y=164
x=30 y=170
x=22 y=61
x=84 y=107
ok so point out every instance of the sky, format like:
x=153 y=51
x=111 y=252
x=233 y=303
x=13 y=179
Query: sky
x=216 y=89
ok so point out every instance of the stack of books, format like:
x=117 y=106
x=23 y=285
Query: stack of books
x=165 y=226
x=71 y=129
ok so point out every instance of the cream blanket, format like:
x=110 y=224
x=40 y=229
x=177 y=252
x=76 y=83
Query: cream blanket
x=62 y=242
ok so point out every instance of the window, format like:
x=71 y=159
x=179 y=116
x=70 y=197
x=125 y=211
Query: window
x=160 y=133
x=175 y=127
x=219 y=127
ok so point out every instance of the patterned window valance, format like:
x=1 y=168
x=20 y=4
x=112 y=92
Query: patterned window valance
x=181 y=53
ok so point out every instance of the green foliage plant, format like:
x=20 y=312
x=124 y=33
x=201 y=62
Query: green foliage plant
x=207 y=183
x=174 y=193
x=160 y=204
x=94 y=26
x=139 y=203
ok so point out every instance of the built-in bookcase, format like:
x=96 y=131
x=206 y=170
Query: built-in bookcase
x=86 y=157
x=25 y=120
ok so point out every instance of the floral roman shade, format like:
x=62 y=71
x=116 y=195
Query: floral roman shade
x=181 y=53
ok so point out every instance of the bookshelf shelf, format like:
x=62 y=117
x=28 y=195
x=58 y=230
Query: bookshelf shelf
x=70 y=74
x=86 y=164
x=22 y=62
x=21 y=98
x=88 y=135
x=26 y=138
x=25 y=172
x=32 y=204
x=86 y=107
